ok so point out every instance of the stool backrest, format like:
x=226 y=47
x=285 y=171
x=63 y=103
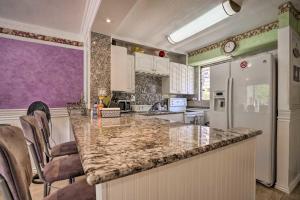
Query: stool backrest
x=41 y=118
x=15 y=168
x=34 y=136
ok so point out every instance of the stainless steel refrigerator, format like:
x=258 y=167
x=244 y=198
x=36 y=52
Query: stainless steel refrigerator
x=243 y=94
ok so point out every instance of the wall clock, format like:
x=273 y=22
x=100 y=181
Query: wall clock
x=229 y=46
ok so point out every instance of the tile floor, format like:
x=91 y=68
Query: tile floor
x=264 y=193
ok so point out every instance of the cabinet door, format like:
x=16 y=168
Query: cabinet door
x=183 y=73
x=144 y=63
x=119 y=80
x=131 y=73
x=191 y=80
x=174 y=67
x=161 y=66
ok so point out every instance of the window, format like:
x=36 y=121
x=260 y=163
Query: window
x=204 y=83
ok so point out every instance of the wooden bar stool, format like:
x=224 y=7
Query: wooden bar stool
x=16 y=171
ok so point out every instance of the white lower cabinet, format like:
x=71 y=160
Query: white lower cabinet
x=180 y=81
x=172 y=117
x=122 y=70
x=178 y=117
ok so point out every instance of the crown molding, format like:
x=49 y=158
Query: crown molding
x=289 y=7
x=89 y=15
x=14 y=25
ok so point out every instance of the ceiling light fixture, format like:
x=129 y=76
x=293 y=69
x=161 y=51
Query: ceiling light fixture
x=108 y=20
x=215 y=15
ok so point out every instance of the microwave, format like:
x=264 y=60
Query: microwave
x=124 y=105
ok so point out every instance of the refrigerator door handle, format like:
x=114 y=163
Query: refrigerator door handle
x=230 y=103
x=227 y=102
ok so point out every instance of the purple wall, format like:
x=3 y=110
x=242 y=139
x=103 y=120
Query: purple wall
x=31 y=72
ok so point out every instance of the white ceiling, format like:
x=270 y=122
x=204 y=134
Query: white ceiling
x=149 y=21
x=61 y=15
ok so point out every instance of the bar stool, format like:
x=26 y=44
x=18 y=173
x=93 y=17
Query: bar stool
x=16 y=171
x=63 y=149
x=64 y=168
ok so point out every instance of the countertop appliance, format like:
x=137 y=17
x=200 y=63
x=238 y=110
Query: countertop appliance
x=177 y=104
x=124 y=105
x=243 y=94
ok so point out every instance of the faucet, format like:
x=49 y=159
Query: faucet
x=156 y=106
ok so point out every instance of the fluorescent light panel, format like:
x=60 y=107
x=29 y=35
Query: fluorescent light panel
x=215 y=15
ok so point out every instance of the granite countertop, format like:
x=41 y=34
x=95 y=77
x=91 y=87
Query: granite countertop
x=117 y=147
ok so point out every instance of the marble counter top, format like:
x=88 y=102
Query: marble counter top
x=117 y=147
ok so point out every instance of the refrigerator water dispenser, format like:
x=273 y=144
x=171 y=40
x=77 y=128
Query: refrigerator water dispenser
x=219 y=101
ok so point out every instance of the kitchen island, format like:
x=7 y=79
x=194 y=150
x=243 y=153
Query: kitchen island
x=137 y=159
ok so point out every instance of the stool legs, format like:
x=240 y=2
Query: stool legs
x=47 y=189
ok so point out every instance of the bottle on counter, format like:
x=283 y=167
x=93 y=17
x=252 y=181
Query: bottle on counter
x=95 y=110
x=100 y=105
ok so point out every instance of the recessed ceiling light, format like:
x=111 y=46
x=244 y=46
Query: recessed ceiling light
x=222 y=11
x=108 y=20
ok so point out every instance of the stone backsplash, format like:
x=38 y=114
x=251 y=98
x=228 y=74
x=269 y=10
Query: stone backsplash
x=100 y=64
x=148 y=90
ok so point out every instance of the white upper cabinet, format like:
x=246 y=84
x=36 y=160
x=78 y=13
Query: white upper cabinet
x=151 y=64
x=184 y=79
x=177 y=78
x=144 y=63
x=178 y=81
x=122 y=70
x=191 y=80
x=131 y=73
x=161 y=66
x=174 y=78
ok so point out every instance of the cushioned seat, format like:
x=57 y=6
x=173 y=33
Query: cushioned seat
x=63 y=168
x=63 y=149
x=79 y=190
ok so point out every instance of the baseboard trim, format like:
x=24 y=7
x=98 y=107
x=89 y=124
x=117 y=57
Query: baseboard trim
x=282 y=188
x=291 y=186
x=294 y=183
